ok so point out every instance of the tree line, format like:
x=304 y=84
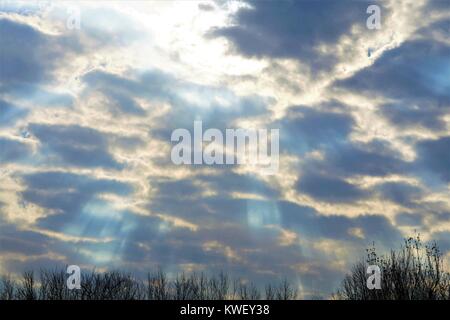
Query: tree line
x=117 y=285
x=416 y=271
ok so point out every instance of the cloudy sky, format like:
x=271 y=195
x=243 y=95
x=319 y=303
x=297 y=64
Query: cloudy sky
x=86 y=116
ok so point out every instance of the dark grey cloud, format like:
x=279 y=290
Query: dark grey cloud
x=307 y=221
x=424 y=215
x=40 y=96
x=304 y=129
x=410 y=72
x=8 y=245
x=408 y=115
x=329 y=189
x=24 y=242
x=29 y=56
x=28 y=61
x=438 y=5
x=293 y=29
x=121 y=103
x=60 y=181
x=130 y=143
x=414 y=75
x=119 y=91
x=228 y=182
x=376 y=158
x=34 y=245
x=25 y=53
x=17 y=266
x=401 y=193
x=75 y=145
x=157 y=87
x=208 y=247
x=155 y=80
x=71 y=196
x=13 y=151
x=177 y=188
x=324 y=179
x=409 y=219
x=40 y=248
x=73 y=207
x=434 y=156
x=185 y=198
x=10 y=113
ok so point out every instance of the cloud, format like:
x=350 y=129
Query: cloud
x=443 y=239
x=124 y=104
x=24 y=242
x=75 y=145
x=10 y=113
x=207 y=199
x=307 y=221
x=30 y=56
x=293 y=29
x=437 y=5
x=29 y=64
x=107 y=27
x=408 y=219
x=228 y=182
x=185 y=199
x=329 y=189
x=92 y=164
x=13 y=151
x=73 y=201
x=409 y=72
x=304 y=129
x=401 y=193
x=413 y=77
x=177 y=188
x=373 y=159
x=407 y=115
x=206 y=7
x=217 y=107
x=434 y=156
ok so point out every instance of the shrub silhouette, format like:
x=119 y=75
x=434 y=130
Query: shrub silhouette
x=414 y=272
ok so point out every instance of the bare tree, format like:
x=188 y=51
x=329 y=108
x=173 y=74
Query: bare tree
x=286 y=291
x=117 y=285
x=219 y=287
x=157 y=286
x=27 y=290
x=245 y=291
x=415 y=272
x=7 y=288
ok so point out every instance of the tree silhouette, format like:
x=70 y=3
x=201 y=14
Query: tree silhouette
x=116 y=285
x=414 y=272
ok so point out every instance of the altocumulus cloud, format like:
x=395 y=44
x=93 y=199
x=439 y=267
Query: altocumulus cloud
x=86 y=117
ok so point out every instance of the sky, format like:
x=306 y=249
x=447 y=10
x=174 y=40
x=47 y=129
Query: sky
x=90 y=92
